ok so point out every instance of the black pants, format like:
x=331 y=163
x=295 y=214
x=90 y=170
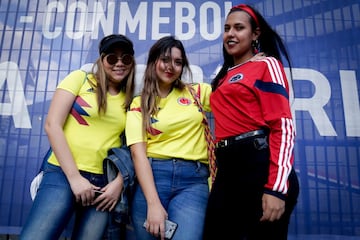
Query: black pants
x=234 y=206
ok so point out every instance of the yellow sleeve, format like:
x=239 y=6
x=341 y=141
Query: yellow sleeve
x=73 y=81
x=205 y=91
x=133 y=129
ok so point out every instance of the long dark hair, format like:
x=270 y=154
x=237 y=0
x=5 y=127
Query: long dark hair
x=269 y=41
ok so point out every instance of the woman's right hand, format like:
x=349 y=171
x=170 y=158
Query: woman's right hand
x=155 y=222
x=58 y=113
x=156 y=213
x=83 y=190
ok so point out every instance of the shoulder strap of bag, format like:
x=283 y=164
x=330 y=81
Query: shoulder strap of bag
x=208 y=136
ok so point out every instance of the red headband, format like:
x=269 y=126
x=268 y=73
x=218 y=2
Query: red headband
x=248 y=10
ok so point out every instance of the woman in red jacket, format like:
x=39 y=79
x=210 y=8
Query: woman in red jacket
x=254 y=134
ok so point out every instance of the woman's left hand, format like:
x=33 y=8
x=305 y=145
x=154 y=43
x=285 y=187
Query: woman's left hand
x=110 y=196
x=273 y=208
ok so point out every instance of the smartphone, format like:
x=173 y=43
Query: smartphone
x=170 y=228
x=98 y=193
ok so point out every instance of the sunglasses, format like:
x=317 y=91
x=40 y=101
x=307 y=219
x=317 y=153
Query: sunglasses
x=112 y=59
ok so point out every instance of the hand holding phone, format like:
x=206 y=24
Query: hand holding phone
x=170 y=228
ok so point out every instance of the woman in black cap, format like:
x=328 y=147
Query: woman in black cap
x=85 y=119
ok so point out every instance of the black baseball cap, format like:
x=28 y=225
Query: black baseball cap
x=116 y=40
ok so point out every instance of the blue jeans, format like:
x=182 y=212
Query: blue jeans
x=54 y=206
x=183 y=190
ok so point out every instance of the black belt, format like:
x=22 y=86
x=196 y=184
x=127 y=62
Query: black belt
x=231 y=140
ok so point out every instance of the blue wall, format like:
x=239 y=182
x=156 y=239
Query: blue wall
x=41 y=42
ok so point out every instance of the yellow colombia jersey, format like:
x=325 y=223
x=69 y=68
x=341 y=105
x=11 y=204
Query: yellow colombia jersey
x=177 y=129
x=89 y=134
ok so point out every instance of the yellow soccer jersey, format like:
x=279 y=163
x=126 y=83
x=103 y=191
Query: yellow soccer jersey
x=177 y=129
x=89 y=134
